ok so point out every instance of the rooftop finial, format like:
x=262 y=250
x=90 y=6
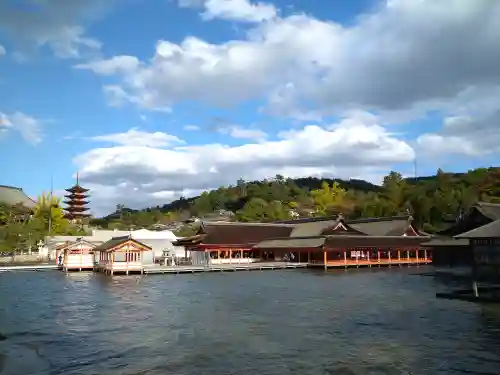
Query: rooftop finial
x=77 y=177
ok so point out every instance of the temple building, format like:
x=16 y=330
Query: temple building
x=76 y=202
x=325 y=242
x=485 y=246
x=11 y=196
x=451 y=249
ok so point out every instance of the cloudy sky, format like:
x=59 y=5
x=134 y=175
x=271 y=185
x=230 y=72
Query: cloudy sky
x=154 y=99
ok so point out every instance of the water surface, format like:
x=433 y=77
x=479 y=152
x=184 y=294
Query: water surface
x=303 y=322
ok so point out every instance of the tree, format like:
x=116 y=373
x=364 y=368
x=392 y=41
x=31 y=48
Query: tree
x=329 y=199
x=47 y=212
x=394 y=191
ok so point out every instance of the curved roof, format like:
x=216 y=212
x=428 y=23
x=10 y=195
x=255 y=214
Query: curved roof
x=11 y=196
x=490 y=210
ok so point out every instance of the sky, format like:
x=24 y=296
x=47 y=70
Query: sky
x=150 y=100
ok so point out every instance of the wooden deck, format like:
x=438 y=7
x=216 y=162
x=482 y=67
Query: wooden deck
x=261 y=266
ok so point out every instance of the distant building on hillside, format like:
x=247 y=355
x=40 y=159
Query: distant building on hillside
x=10 y=196
x=76 y=202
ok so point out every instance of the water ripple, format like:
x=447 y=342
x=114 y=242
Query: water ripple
x=271 y=323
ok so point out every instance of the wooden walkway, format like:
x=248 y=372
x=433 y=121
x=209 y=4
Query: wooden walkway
x=223 y=268
x=35 y=267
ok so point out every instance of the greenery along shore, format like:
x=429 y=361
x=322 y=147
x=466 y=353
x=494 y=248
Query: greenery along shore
x=434 y=202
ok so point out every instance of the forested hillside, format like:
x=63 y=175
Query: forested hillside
x=433 y=201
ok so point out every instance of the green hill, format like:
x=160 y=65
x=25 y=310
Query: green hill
x=432 y=200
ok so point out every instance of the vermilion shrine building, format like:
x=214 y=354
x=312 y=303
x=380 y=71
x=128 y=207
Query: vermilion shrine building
x=326 y=242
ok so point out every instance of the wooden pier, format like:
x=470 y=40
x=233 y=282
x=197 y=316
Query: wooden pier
x=261 y=266
x=35 y=267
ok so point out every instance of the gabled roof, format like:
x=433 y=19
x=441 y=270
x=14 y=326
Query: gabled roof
x=490 y=210
x=118 y=241
x=491 y=230
x=78 y=242
x=11 y=196
x=481 y=213
x=383 y=226
x=313 y=228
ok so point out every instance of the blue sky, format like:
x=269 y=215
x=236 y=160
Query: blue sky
x=151 y=100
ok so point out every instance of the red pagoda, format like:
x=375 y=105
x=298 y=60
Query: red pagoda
x=76 y=202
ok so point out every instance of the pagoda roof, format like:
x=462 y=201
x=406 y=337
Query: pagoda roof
x=76 y=202
x=76 y=195
x=76 y=208
x=77 y=189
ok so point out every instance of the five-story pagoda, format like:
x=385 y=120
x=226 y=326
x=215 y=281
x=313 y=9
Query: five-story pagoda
x=76 y=202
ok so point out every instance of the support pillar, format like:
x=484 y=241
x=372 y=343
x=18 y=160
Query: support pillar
x=325 y=259
x=345 y=258
x=390 y=259
x=378 y=257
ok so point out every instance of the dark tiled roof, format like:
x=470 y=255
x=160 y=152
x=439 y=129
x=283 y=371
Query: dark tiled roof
x=481 y=213
x=11 y=196
x=375 y=241
x=312 y=228
x=117 y=241
x=307 y=220
x=243 y=233
x=384 y=226
x=490 y=210
x=291 y=243
x=491 y=230
x=446 y=242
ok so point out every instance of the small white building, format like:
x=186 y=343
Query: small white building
x=123 y=255
x=77 y=255
x=159 y=241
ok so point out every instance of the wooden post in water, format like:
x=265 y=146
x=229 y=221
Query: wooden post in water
x=475 y=289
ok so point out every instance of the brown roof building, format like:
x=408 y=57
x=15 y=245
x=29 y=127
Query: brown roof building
x=324 y=240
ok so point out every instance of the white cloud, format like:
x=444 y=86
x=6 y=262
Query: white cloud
x=465 y=136
x=238 y=10
x=51 y=23
x=139 y=175
x=388 y=61
x=29 y=127
x=2 y=50
x=117 y=64
x=243 y=133
x=138 y=138
x=191 y=127
x=233 y=10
